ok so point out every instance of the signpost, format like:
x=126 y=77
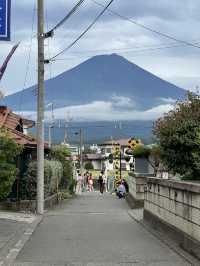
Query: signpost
x=5 y=10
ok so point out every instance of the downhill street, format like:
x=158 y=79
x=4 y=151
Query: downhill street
x=94 y=230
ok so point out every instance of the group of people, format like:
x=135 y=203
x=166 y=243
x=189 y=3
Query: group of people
x=88 y=178
x=86 y=181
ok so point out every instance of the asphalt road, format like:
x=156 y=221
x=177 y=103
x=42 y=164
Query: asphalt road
x=94 y=230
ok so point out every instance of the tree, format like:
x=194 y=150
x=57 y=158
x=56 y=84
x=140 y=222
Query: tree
x=178 y=134
x=155 y=158
x=141 y=151
x=89 y=166
x=9 y=150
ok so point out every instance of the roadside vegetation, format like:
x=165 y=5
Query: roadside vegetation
x=9 y=151
x=58 y=171
x=178 y=135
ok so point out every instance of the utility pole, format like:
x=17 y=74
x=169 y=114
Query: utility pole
x=65 y=133
x=120 y=163
x=40 y=110
x=50 y=136
x=81 y=151
x=68 y=119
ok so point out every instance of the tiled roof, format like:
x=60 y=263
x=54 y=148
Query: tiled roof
x=94 y=156
x=10 y=120
x=21 y=138
x=122 y=142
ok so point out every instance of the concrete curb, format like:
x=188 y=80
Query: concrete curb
x=164 y=239
x=19 y=243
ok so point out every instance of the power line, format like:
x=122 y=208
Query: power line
x=29 y=59
x=48 y=44
x=84 y=32
x=146 y=27
x=138 y=51
x=72 y=11
x=126 y=49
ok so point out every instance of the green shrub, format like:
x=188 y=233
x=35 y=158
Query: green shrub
x=9 y=150
x=62 y=153
x=53 y=172
x=89 y=166
x=57 y=174
x=141 y=151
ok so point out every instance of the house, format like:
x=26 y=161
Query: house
x=96 y=159
x=107 y=148
x=17 y=129
x=100 y=160
x=141 y=165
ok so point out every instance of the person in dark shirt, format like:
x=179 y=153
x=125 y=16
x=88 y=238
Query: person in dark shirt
x=126 y=185
x=101 y=182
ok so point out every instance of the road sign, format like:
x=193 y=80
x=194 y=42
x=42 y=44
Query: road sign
x=5 y=9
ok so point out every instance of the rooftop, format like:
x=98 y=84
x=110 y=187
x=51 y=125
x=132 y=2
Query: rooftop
x=14 y=124
x=122 y=142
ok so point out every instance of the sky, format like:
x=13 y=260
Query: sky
x=111 y=34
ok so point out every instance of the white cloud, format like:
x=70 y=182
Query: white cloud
x=168 y=100
x=104 y=111
x=122 y=102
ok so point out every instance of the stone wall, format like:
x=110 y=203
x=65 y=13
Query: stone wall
x=175 y=206
x=28 y=205
x=137 y=183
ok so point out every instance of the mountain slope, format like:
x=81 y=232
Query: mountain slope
x=100 y=79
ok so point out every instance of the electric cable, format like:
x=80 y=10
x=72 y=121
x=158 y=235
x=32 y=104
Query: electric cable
x=146 y=27
x=28 y=60
x=72 y=11
x=48 y=45
x=84 y=32
x=124 y=51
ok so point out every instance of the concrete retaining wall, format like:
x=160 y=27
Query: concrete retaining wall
x=137 y=183
x=175 y=205
x=28 y=205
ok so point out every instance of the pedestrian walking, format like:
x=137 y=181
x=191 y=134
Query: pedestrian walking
x=90 y=182
x=104 y=182
x=101 y=182
x=79 y=182
x=87 y=180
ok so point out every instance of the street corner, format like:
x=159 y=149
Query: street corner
x=15 y=231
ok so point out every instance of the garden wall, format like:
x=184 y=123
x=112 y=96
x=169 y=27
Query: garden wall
x=174 y=206
x=28 y=205
x=137 y=183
